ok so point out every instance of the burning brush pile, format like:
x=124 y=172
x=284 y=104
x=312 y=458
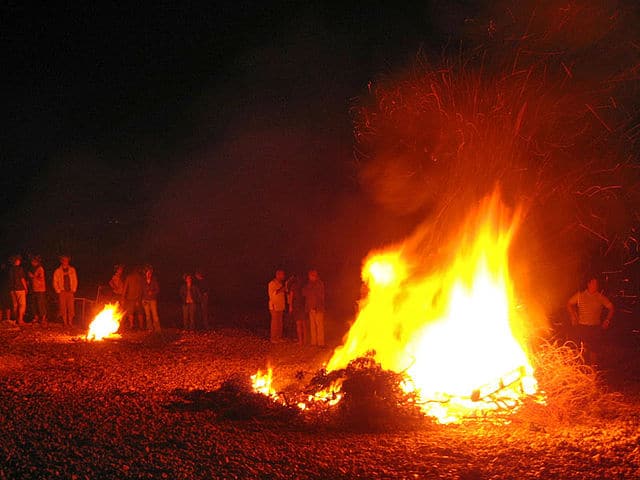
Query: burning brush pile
x=546 y=108
x=446 y=342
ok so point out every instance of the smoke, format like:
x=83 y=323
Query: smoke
x=541 y=100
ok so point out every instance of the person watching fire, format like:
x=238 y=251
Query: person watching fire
x=117 y=282
x=313 y=293
x=39 y=291
x=297 y=309
x=18 y=286
x=277 y=291
x=132 y=298
x=65 y=284
x=585 y=311
x=190 y=296
x=150 y=300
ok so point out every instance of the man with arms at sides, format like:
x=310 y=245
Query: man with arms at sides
x=65 y=284
x=585 y=311
x=277 y=291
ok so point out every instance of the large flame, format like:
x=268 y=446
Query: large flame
x=106 y=323
x=457 y=331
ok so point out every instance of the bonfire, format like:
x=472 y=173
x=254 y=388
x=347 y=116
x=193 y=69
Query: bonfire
x=106 y=323
x=455 y=330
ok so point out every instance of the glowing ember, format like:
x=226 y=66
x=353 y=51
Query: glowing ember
x=261 y=383
x=106 y=323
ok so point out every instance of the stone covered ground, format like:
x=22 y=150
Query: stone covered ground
x=78 y=410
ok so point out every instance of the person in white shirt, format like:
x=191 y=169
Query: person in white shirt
x=585 y=311
x=277 y=300
x=65 y=284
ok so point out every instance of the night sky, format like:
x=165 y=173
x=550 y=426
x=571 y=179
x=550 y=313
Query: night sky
x=215 y=138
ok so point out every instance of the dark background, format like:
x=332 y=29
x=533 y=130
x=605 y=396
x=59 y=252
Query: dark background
x=216 y=138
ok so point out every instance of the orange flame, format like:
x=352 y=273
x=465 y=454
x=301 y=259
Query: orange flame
x=106 y=323
x=261 y=383
x=456 y=332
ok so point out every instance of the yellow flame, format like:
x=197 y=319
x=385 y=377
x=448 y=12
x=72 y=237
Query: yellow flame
x=261 y=383
x=106 y=323
x=456 y=332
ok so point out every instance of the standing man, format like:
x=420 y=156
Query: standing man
x=203 y=285
x=39 y=291
x=190 y=296
x=117 y=282
x=18 y=286
x=150 y=299
x=297 y=309
x=65 y=284
x=132 y=297
x=313 y=293
x=277 y=301
x=585 y=311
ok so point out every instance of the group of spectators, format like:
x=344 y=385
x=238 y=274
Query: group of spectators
x=30 y=286
x=25 y=289
x=302 y=303
x=138 y=294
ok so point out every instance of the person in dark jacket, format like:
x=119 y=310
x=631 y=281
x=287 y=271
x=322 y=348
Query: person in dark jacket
x=313 y=293
x=296 y=303
x=18 y=286
x=203 y=308
x=39 y=290
x=132 y=297
x=190 y=296
x=150 y=291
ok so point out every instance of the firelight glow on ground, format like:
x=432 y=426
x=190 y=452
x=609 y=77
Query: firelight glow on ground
x=456 y=331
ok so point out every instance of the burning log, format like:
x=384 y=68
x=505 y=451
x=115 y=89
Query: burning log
x=506 y=381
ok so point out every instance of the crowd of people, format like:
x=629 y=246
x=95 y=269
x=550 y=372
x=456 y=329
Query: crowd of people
x=136 y=289
x=300 y=303
x=138 y=292
x=303 y=304
x=28 y=288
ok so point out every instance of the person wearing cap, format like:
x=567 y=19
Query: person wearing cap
x=38 y=291
x=18 y=286
x=65 y=284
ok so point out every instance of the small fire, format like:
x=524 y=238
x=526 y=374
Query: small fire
x=261 y=383
x=106 y=323
x=457 y=332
